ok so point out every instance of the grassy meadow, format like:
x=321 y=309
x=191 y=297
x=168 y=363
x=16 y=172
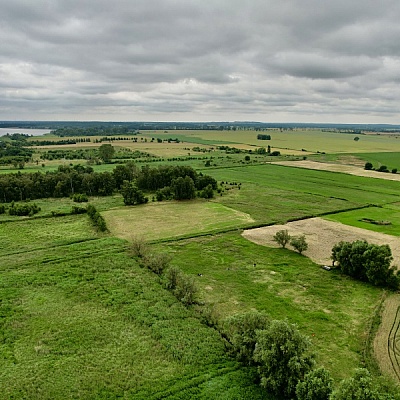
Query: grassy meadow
x=81 y=319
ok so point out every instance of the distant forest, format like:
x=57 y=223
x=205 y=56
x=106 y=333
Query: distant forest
x=135 y=126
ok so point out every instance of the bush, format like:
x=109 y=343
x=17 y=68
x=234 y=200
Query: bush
x=156 y=262
x=139 y=246
x=78 y=210
x=182 y=286
x=2 y=209
x=317 y=385
x=96 y=218
x=23 y=209
x=80 y=198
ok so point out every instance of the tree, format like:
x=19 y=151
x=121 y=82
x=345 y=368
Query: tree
x=368 y=166
x=317 y=385
x=241 y=331
x=283 y=358
x=183 y=188
x=106 y=152
x=359 y=387
x=299 y=243
x=282 y=237
x=132 y=195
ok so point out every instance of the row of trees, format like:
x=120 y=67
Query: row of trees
x=183 y=181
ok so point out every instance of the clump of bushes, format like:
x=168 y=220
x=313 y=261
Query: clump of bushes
x=2 y=209
x=78 y=210
x=80 y=198
x=97 y=219
x=23 y=209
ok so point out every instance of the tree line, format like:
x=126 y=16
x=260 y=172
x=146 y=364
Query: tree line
x=68 y=180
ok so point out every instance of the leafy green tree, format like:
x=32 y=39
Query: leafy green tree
x=317 y=385
x=368 y=166
x=241 y=331
x=299 y=243
x=359 y=387
x=282 y=237
x=283 y=357
x=132 y=195
x=183 y=188
x=106 y=152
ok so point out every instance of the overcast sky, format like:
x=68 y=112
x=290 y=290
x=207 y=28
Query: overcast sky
x=200 y=60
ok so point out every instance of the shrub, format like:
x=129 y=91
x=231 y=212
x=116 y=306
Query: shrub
x=23 y=209
x=2 y=209
x=156 y=262
x=80 y=198
x=78 y=210
x=139 y=246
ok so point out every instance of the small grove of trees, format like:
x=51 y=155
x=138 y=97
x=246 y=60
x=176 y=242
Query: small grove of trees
x=261 y=136
x=279 y=351
x=286 y=364
x=132 y=195
x=283 y=237
x=366 y=262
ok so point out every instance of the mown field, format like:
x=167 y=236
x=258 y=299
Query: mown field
x=81 y=318
x=387 y=219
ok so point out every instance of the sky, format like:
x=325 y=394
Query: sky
x=200 y=60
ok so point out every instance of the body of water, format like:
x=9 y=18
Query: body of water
x=33 y=132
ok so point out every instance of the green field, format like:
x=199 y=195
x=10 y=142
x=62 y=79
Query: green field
x=81 y=319
x=387 y=214
x=238 y=276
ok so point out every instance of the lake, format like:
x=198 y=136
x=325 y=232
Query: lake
x=33 y=132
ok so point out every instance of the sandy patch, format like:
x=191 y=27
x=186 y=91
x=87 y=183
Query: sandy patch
x=346 y=169
x=321 y=235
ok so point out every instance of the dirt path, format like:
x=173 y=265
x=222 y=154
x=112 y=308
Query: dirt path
x=321 y=235
x=346 y=169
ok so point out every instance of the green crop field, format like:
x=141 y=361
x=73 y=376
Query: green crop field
x=391 y=160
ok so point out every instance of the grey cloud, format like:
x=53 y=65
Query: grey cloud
x=195 y=59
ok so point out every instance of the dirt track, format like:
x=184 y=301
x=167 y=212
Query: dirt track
x=346 y=169
x=321 y=235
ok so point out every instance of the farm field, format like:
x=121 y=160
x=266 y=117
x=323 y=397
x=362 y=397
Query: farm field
x=341 y=168
x=309 y=140
x=168 y=220
x=322 y=234
x=387 y=219
x=82 y=319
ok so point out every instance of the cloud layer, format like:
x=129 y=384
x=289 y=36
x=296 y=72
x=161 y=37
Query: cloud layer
x=192 y=60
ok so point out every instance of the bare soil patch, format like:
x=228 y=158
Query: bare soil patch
x=346 y=169
x=321 y=235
